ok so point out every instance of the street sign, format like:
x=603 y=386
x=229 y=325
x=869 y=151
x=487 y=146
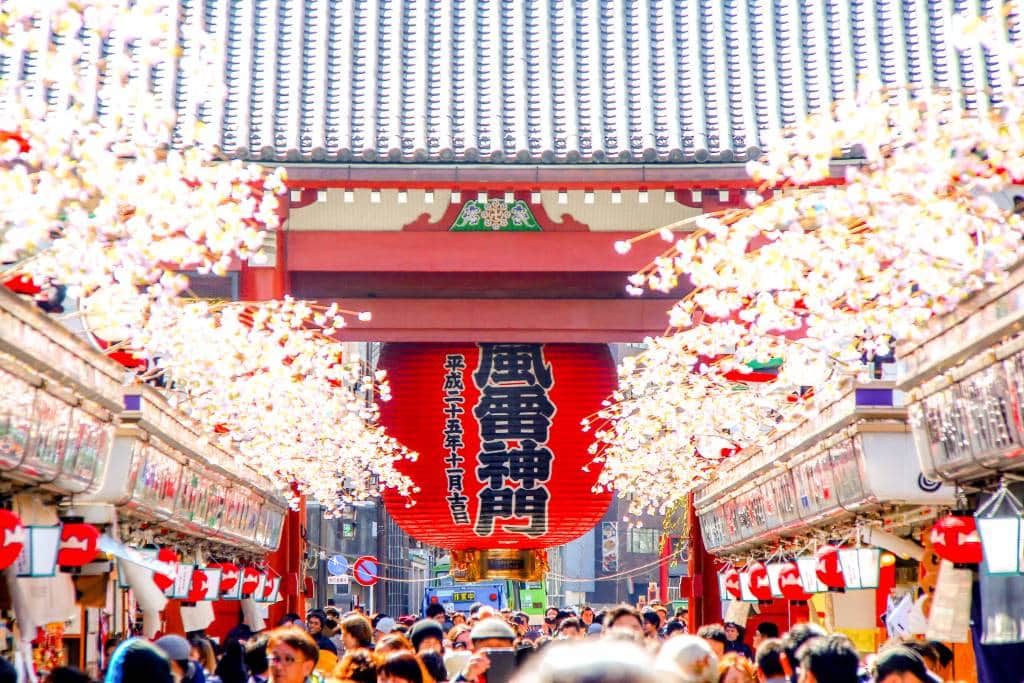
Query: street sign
x=338 y=580
x=364 y=571
x=337 y=565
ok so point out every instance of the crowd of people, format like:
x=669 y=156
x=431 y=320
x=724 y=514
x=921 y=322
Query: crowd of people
x=618 y=645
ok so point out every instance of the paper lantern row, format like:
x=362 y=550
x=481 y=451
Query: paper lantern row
x=215 y=581
x=37 y=550
x=829 y=568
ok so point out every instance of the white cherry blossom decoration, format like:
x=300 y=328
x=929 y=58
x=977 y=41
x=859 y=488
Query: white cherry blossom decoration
x=822 y=279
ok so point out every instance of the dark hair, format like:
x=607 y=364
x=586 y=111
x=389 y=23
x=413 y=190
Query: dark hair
x=571 y=622
x=621 y=611
x=297 y=639
x=231 y=667
x=714 y=632
x=584 y=608
x=900 y=659
x=797 y=636
x=830 y=658
x=923 y=648
x=359 y=628
x=319 y=614
x=942 y=651
x=475 y=607
x=433 y=662
x=651 y=617
x=138 y=660
x=768 y=629
x=357 y=665
x=674 y=626
x=404 y=665
x=289 y=618
x=393 y=642
x=769 y=657
x=67 y=674
x=256 y=656
x=434 y=609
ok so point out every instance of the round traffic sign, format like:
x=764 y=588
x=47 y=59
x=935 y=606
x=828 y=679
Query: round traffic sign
x=364 y=570
x=337 y=565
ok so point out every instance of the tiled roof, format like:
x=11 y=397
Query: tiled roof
x=553 y=81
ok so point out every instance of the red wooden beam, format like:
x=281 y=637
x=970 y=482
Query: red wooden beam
x=507 y=320
x=466 y=251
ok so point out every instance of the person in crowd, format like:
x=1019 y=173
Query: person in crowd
x=402 y=667
x=427 y=635
x=358 y=666
x=433 y=663
x=383 y=627
x=137 y=660
x=231 y=667
x=67 y=674
x=674 y=628
x=944 y=664
x=203 y=654
x=735 y=668
x=292 y=654
x=492 y=633
x=715 y=636
x=393 y=642
x=571 y=629
x=256 y=660
x=662 y=613
x=902 y=664
x=437 y=612
x=591 y=662
x=828 y=659
x=734 y=640
x=689 y=658
x=458 y=619
x=315 y=622
x=932 y=652
x=242 y=633
x=179 y=651
x=356 y=632
x=459 y=638
x=764 y=631
x=624 y=616
x=291 y=619
x=651 y=624
x=769 y=660
x=587 y=615
x=798 y=636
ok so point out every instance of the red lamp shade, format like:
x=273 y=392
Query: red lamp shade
x=955 y=538
x=503 y=459
x=790 y=585
x=732 y=583
x=229 y=575
x=77 y=544
x=12 y=538
x=250 y=580
x=828 y=569
x=165 y=581
x=760 y=586
x=200 y=586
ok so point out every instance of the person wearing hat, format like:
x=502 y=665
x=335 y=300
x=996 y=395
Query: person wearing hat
x=385 y=625
x=487 y=634
x=426 y=635
x=900 y=664
x=137 y=660
x=178 y=651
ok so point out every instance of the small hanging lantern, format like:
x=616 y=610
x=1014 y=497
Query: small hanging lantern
x=828 y=568
x=250 y=580
x=760 y=587
x=77 y=544
x=790 y=583
x=12 y=538
x=999 y=526
x=39 y=558
x=774 y=570
x=165 y=581
x=731 y=582
x=200 y=585
x=955 y=538
x=860 y=566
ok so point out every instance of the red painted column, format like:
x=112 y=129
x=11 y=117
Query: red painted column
x=705 y=602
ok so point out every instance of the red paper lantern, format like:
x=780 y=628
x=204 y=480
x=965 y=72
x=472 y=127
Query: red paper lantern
x=12 y=538
x=790 y=585
x=200 y=585
x=760 y=587
x=250 y=580
x=77 y=544
x=229 y=576
x=829 y=570
x=955 y=538
x=165 y=581
x=732 y=583
x=268 y=586
x=503 y=459
x=22 y=284
x=125 y=357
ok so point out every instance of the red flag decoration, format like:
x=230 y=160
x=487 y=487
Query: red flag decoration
x=829 y=570
x=165 y=581
x=77 y=544
x=790 y=585
x=955 y=538
x=732 y=583
x=12 y=538
x=757 y=573
x=250 y=580
x=503 y=460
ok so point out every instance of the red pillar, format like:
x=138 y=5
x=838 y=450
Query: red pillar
x=705 y=602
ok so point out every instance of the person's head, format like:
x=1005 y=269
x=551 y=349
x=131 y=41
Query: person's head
x=393 y=642
x=202 y=652
x=662 y=614
x=427 y=635
x=383 y=627
x=732 y=631
x=797 y=637
x=688 y=657
x=768 y=659
x=764 y=631
x=587 y=615
x=715 y=636
x=902 y=664
x=402 y=667
x=137 y=660
x=315 y=621
x=359 y=666
x=551 y=613
x=256 y=656
x=674 y=628
x=571 y=629
x=652 y=622
x=458 y=619
x=436 y=612
x=945 y=659
x=66 y=674
x=592 y=661
x=492 y=632
x=292 y=655
x=109 y=646
x=459 y=638
x=231 y=667
x=291 y=619
x=356 y=632
x=735 y=668
x=433 y=664
x=624 y=616
x=178 y=651
x=926 y=650
x=829 y=659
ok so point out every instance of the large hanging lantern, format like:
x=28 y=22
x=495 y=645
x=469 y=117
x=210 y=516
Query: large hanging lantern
x=861 y=567
x=760 y=587
x=828 y=568
x=999 y=526
x=503 y=459
x=955 y=538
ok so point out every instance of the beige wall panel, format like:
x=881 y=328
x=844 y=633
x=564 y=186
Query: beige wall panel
x=629 y=215
x=363 y=214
